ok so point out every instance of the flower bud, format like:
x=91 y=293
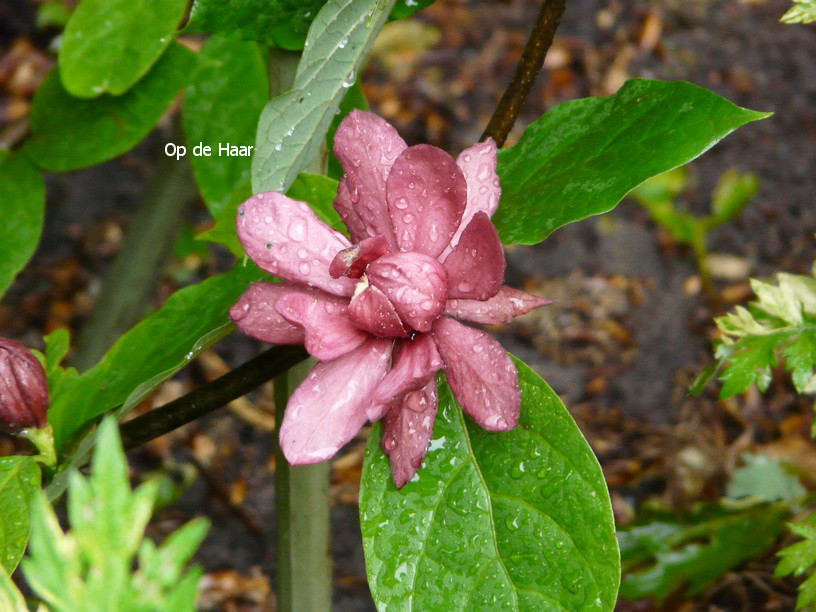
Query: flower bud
x=23 y=388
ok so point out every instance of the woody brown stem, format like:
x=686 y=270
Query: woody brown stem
x=532 y=59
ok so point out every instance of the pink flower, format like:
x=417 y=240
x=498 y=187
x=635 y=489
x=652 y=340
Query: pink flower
x=379 y=314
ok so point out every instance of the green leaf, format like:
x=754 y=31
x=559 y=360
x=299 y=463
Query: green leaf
x=22 y=208
x=520 y=520
x=152 y=351
x=70 y=133
x=750 y=363
x=318 y=192
x=11 y=599
x=91 y=567
x=406 y=8
x=763 y=478
x=802 y=11
x=781 y=322
x=19 y=481
x=354 y=99
x=662 y=556
x=108 y=45
x=278 y=23
x=293 y=125
x=732 y=193
x=583 y=156
x=222 y=106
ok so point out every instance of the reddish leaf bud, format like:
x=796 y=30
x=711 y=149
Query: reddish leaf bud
x=23 y=388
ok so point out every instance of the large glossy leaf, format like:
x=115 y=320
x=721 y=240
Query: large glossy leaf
x=518 y=521
x=151 y=351
x=22 y=207
x=108 y=45
x=222 y=106
x=69 y=133
x=293 y=125
x=278 y=23
x=19 y=480
x=583 y=156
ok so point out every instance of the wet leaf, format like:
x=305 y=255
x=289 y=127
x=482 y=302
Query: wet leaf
x=293 y=125
x=108 y=45
x=19 y=481
x=150 y=351
x=222 y=106
x=69 y=133
x=520 y=520
x=22 y=208
x=583 y=156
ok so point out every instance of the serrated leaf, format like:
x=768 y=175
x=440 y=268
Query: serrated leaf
x=159 y=345
x=749 y=364
x=520 y=520
x=108 y=45
x=763 y=478
x=583 y=156
x=802 y=11
x=693 y=554
x=293 y=125
x=69 y=133
x=799 y=558
x=19 y=481
x=222 y=106
x=91 y=566
x=22 y=208
x=800 y=359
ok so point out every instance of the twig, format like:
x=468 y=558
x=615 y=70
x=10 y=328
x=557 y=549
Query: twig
x=532 y=59
x=211 y=396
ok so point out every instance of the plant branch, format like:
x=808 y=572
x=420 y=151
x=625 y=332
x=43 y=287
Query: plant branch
x=210 y=397
x=532 y=59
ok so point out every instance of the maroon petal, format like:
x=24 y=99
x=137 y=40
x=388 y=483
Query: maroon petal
x=366 y=146
x=476 y=265
x=329 y=407
x=415 y=284
x=426 y=194
x=23 y=388
x=324 y=318
x=344 y=207
x=352 y=261
x=255 y=315
x=407 y=430
x=478 y=164
x=372 y=311
x=480 y=374
x=285 y=238
x=415 y=361
x=507 y=304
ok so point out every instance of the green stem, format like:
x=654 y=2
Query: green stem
x=43 y=439
x=131 y=280
x=304 y=581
